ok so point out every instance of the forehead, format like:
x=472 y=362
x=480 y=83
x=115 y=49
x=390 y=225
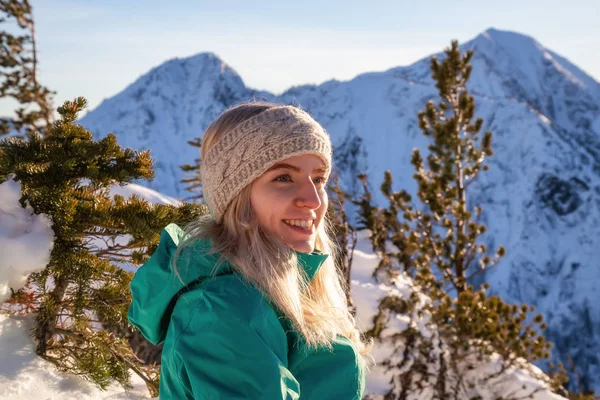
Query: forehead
x=305 y=162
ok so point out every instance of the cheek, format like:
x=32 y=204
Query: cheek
x=265 y=205
x=256 y=202
x=258 y=207
x=324 y=204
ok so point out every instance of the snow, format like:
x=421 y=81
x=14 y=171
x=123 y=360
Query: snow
x=24 y=375
x=26 y=240
x=141 y=191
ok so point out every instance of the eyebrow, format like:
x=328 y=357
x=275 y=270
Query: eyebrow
x=293 y=168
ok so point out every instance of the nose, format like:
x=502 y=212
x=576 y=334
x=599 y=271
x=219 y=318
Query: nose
x=308 y=195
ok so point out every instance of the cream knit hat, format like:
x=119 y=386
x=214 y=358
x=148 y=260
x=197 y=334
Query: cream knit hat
x=253 y=146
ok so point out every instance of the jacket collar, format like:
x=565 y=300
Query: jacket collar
x=311 y=262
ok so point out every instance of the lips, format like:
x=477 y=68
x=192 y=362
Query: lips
x=301 y=229
x=303 y=223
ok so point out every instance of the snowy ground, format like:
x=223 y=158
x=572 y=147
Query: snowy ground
x=25 y=244
x=25 y=376
x=25 y=240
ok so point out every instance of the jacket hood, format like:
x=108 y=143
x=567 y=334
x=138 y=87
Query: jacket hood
x=156 y=287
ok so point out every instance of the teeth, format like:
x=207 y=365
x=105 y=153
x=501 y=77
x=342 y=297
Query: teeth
x=302 y=223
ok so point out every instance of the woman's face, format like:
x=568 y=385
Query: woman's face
x=292 y=193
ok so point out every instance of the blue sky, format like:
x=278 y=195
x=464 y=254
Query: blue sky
x=96 y=48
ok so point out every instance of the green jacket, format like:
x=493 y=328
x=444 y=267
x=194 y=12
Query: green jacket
x=222 y=338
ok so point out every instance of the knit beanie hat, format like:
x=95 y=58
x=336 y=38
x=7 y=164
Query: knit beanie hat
x=253 y=146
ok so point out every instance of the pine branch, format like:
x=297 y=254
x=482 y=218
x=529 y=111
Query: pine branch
x=149 y=383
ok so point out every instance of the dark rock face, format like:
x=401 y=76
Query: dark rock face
x=559 y=195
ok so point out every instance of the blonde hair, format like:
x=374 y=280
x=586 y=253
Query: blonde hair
x=317 y=309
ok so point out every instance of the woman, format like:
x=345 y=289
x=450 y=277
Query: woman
x=247 y=301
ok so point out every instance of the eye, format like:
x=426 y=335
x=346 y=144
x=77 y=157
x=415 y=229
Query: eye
x=279 y=178
x=323 y=180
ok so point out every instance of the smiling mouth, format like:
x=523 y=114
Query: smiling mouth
x=307 y=227
x=304 y=223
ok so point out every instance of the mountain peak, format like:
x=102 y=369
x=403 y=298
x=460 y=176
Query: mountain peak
x=502 y=44
x=528 y=57
x=203 y=78
x=200 y=60
x=499 y=35
x=528 y=72
x=198 y=68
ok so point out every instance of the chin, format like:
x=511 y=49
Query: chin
x=302 y=247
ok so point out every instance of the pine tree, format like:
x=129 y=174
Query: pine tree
x=18 y=71
x=83 y=290
x=439 y=245
x=345 y=234
x=194 y=181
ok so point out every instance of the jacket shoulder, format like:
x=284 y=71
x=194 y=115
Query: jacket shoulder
x=157 y=284
x=225 y=341
x=227 y=297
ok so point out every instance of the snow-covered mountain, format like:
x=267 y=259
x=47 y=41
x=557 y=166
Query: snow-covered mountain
x=168 y=106
x=541 y=197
